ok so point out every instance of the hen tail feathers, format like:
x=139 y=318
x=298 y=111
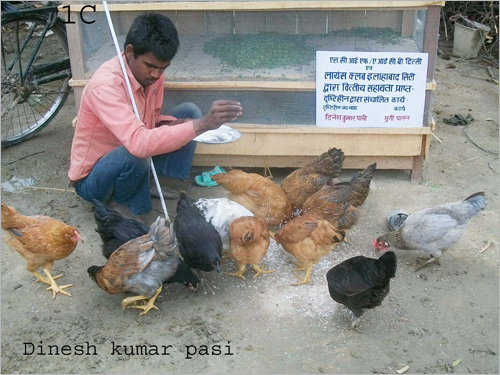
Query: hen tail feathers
x=477 y=200
x=163 y=236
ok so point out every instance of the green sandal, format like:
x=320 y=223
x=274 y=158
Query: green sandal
x=216 y=170
x=205 y=180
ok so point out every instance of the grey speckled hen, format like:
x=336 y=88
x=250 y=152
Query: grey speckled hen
x=433 y=230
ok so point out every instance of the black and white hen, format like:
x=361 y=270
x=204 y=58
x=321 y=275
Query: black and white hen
x=200 y=244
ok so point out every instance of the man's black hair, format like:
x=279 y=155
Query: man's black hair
x=153 y=32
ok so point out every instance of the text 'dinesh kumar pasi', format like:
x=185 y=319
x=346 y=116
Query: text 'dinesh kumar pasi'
x=370 y=89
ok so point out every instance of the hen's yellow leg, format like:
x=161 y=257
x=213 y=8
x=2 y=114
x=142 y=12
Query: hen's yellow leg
x=47 y=266
x=259 y=271
x=300 y=266
x=241 y=270
x=40 y=278
x=130 y=300
x=54 y=287
x=126 y=303
x=307 y=277
x=431 y=260
x=267 y=170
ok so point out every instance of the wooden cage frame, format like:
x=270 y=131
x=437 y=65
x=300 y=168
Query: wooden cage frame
x=292 y=146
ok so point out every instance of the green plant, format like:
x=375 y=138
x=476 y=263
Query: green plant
x=261 y=51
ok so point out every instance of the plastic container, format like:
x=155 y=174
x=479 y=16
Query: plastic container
x=467 y=40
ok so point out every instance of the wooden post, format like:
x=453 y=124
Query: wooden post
x=430 y=46
x=407 y=22
x=418 y=164
x=76 y=53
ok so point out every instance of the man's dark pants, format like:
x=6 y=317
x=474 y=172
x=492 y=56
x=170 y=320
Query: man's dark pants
x=125 y=178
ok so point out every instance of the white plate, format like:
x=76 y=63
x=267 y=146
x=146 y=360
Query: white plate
x=224 y=134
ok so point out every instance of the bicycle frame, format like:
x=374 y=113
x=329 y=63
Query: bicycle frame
x=38 y=72
x=18 y=13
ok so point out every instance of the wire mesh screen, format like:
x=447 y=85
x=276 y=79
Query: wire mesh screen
x=262 y=45
x=263 y=108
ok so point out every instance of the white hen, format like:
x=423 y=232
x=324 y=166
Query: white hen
x=220 y=212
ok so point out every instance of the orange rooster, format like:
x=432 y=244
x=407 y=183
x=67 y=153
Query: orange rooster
x=308 y=238
x=248 y=243
x=258 y=194
x=304 y=182
x=338 y=202
x=40 y=240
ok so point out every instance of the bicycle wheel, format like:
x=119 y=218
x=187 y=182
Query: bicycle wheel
x=28 y=103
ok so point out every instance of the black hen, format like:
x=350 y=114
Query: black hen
x=115 y=230
x=199 y=242
x=184 y=275
x=362 y=283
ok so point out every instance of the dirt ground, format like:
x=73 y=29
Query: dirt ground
x=430 y=320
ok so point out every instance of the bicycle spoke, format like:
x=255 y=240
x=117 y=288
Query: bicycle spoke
x=10 y=126
x=19 y=119
x=36 y=110
x=38 y=103
x=44 y=94
x=60 y=50
x=13 y=125
x=33 y=112
x=3 y=56
x=26 y=115
x=47 y=100
x=11 y=105
x=41 y=114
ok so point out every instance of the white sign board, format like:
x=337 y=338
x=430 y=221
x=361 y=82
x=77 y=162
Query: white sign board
x=370 y=89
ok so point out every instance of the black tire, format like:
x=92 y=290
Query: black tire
x=34 y=125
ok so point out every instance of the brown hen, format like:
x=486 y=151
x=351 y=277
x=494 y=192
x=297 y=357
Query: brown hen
x=248 y=244
x=304 y=182
x=338 y=202
x=40 y=240
x=258 y=194
x=140 y=266
x=308 y=238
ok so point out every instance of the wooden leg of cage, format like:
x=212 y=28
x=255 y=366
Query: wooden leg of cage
x=417 y=168
x=418 y=164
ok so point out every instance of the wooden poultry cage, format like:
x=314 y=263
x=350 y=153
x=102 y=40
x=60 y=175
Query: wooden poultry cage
x=278 y=127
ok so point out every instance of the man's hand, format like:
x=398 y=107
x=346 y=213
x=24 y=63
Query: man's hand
x=220 y=112
x=173 y=122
